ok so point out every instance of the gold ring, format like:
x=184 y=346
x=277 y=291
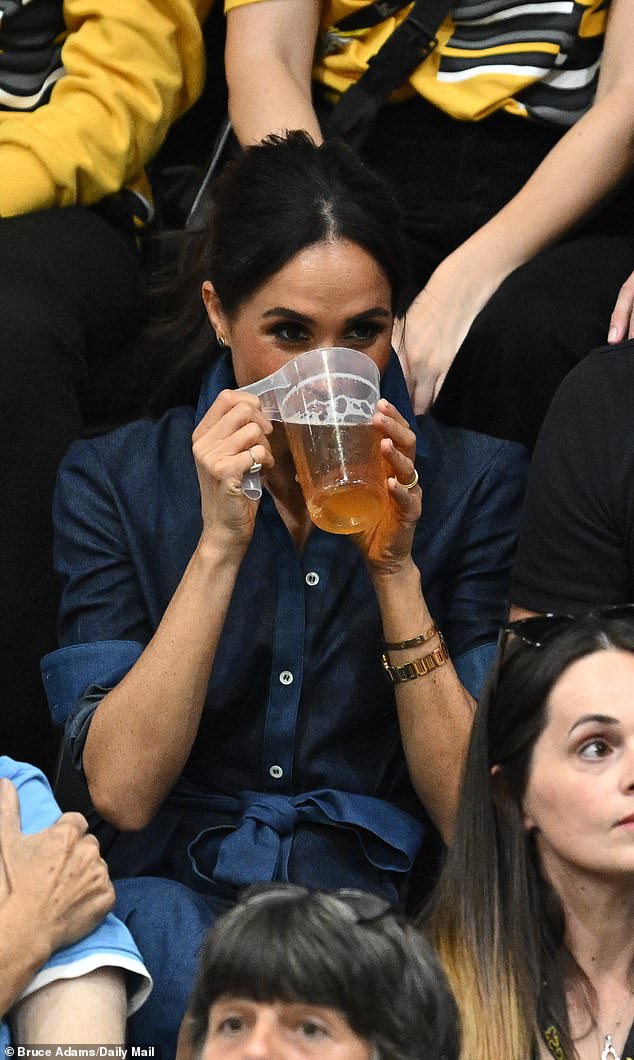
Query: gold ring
x=255 y=466
x=410 y=485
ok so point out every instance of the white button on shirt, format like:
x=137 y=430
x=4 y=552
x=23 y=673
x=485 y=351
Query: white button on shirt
x=286 y=677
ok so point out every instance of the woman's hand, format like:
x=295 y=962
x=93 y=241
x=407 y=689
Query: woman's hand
x=387 y=546
x=622 y=319
x=232 y=435
x=55 y=879
x=438 y=321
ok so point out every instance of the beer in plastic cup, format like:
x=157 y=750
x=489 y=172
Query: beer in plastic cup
x=327 y=411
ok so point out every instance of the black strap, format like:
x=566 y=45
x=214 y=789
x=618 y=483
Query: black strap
x=403 y=51
x=370 y=15
x=550 y=1034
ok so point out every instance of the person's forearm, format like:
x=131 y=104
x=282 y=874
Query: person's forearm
x=268 y=62
x=435 y=711
x=268 y=99
x=593 y=157
x=88 y=1009
x=23 y=949
x=143 y=730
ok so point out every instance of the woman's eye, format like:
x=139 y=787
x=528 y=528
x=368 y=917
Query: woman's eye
x=291 y=332
x=231 y=1025
x=363 y=332
x=312 y=1029
x=594 y=749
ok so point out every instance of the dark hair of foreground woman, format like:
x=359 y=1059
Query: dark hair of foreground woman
x=345 y=951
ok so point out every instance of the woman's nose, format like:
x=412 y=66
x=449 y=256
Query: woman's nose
x=264 y=1041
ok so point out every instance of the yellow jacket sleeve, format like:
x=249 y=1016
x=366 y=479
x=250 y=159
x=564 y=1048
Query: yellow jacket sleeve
x=130 y=68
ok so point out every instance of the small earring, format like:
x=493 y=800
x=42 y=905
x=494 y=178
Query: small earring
x=221 y=341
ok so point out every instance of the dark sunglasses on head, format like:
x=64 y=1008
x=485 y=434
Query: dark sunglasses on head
x=366 y=908
x=539 y=630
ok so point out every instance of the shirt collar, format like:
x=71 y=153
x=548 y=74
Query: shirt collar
x=393 y=387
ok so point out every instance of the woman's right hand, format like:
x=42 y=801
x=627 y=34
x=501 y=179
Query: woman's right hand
x=231 y=435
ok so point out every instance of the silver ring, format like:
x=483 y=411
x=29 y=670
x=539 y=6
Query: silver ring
x=255 y=466
x=414 y=482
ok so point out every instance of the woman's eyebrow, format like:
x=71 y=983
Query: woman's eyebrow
x=376 y=311
x=601 y=719
x=290 y=314
x=303 y=318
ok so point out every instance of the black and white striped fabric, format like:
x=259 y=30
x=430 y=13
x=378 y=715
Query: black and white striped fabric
x=534 y=58
x=31 y=36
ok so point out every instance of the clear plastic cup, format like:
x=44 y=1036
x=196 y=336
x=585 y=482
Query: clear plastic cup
x=326 y=399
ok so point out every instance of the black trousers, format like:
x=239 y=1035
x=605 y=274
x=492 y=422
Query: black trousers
x=450 y=178
x=71 y=303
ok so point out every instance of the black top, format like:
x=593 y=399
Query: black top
x=576 y=546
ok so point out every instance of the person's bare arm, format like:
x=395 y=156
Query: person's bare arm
x=516 y=613
x=54 y=889
x=268 y=61
x=586 y=164
x=143 y=730
x=435 y=711
x=87 y=1010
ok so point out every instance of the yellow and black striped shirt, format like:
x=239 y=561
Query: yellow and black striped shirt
x=535 y=58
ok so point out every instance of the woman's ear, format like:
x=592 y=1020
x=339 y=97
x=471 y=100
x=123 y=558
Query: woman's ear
x=216 y=313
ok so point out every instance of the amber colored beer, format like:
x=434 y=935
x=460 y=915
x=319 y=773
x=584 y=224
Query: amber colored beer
x=342 y=474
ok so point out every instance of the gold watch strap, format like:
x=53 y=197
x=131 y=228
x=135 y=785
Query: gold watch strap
x=418 y=667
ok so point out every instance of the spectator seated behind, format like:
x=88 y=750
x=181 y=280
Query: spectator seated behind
x=292 y=973
x=87 y=94
x=64 y=958
x=221 y=674
x=533 y=917
x=518 y=238
x=576 y=544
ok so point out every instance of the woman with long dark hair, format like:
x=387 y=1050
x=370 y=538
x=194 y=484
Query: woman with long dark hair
x=533 y=917
x=221 y=674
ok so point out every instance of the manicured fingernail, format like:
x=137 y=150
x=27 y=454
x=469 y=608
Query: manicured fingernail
x=612 y=333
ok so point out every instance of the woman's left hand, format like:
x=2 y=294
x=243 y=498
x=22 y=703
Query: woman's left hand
x=387 y=546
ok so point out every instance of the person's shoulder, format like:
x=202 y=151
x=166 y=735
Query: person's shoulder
x=604 y=368
x=469 y=451
x=136 y=446
x=595 y=398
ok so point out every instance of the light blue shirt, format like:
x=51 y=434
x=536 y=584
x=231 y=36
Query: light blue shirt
x=110 y=945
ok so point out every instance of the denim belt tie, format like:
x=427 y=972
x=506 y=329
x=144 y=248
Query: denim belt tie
x=257 y=849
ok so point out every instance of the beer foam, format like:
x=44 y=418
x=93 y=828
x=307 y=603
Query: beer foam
x=342 y=410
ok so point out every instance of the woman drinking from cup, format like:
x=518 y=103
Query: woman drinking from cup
x=533 y=917
x=221 y=673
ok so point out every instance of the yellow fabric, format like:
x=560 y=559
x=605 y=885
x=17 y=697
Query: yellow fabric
x=493 y=75
x=130 y=68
